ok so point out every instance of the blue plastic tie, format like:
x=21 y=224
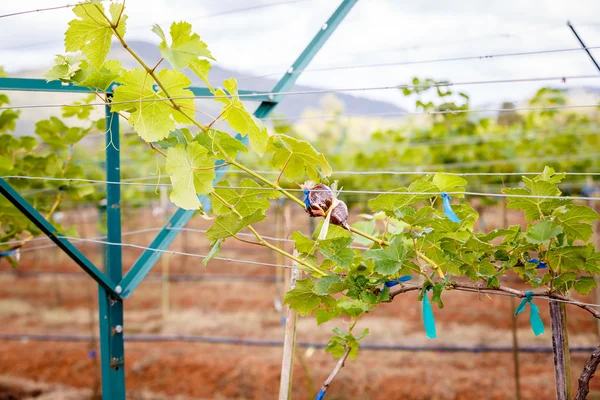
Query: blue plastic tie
x=7 y=253
x=394 y=282
x=448 y=208
x=305 y=198
x=320 y=395
x=540 y=264
x=537 y=325
x=428 y=320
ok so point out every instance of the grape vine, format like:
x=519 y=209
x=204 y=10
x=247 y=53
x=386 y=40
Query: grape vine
x=408 y=231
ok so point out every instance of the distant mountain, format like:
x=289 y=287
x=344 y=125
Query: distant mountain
x=290 y=106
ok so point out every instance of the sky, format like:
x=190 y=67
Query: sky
x=265 y=36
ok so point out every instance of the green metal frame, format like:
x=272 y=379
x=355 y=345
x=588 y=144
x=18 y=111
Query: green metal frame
x=113 y=288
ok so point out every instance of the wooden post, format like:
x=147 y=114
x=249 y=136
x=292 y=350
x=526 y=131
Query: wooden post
x=515 y=347
x=515 y=338
x=279 y=272
x=560 y=346
x=289 y=343
x=164 y=259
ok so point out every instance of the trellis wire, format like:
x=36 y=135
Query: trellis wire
x=317 y=91
x=41 y=10
x=429 y=61
x=482 y=194
x=173 y=252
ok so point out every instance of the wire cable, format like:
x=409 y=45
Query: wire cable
x=428 y=61
x=562 y=79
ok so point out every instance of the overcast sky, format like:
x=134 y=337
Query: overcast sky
x=267 y=40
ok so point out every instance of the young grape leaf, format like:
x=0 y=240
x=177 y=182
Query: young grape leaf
x=100 y=78
x=65 y=67
x=229 y=225
x=334 y=232
x=245 y=201
x=569 y=218
x=185 y=46
x=388 y=260
x=91 y=32
x=152 y=116
x=231 y=145
x=337 y=250
x=178 y=136
x=298 y=157
x=330 y=285
x=303 y=244
x=323 y=315
x=239 y=119
x=304 y=300
x=450 y=183
x=389 y=202
x=187 y=176
x=201 y=69
x=215 y=247
x=542 y=232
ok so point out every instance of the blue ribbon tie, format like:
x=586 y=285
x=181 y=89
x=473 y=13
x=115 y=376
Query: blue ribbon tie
x=448 y=208
x=540 y=264
x=428 y=320
x=7 y=253
x=537 y=325
x=394 y=282
x=320 y=395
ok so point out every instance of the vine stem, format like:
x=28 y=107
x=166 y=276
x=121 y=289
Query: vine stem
x=336 y=370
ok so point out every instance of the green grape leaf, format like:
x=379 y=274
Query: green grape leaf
x=569 y=258
x=229 y=225
x=337 y=250
x=178 y=136
x=303 y=244
x=101 y=78
x=239 y=119
x=245 y=201
x=298 y=157
x=334 y=232
x=450 y=183
x=65 y=67
x=389 y=202
x=201 y=69
x=535 y=208
x=215 y=248
x=388 y=260
x=330 y=285
x=185 y=46
x=304 y=300
x=231 y=145
x=585 y=284
x=569 y=218
x=91 y=32
x=323 y=315
x=188 y=179
x=152 y=116
x=542 y=232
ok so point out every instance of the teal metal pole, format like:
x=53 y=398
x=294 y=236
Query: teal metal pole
x=163 y=239
x=40 y=85
x=112 y=351
x=45 y=226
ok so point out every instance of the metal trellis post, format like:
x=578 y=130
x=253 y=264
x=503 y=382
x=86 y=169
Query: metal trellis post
x=112 y=351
